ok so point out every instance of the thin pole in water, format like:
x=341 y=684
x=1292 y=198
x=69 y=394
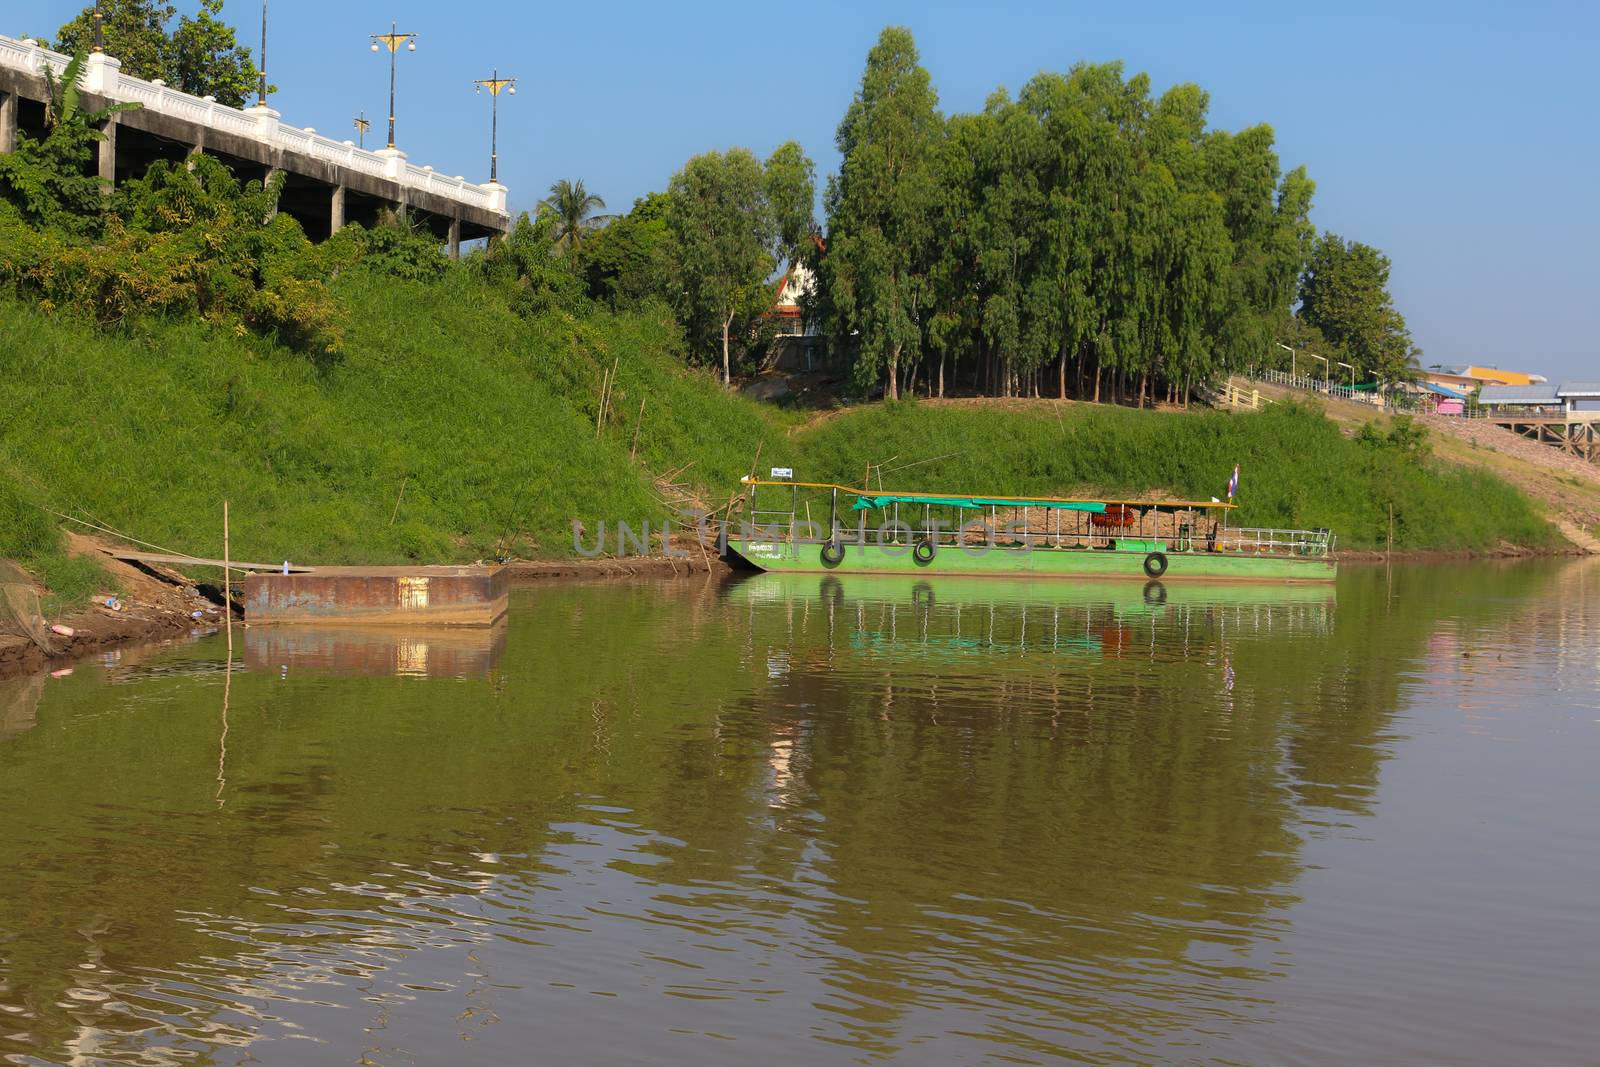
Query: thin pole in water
x=227 y=583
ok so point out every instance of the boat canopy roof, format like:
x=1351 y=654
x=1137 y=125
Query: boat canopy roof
x=878 y=500
x=866 y=499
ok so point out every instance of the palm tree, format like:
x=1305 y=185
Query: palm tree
x=573 y=205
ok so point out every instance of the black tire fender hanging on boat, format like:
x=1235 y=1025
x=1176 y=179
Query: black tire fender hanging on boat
x=832 y=553
x=924 y=552
x=1155 y=564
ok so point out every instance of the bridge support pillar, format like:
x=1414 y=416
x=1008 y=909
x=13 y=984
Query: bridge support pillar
x=454 y=239
x=107 y=162
x=8 y=122
x=266 y=179
x=336 y=211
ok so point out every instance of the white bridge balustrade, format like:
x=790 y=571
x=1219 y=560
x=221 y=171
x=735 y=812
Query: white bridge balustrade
x=330 y=182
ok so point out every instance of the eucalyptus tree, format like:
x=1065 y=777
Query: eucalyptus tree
x=790 y=183
x=731 y=220
x=952 y=323
x=1086 y=225
x=1008 y=232
x=1344 y=293
x=1267 y=220
x=881 y=212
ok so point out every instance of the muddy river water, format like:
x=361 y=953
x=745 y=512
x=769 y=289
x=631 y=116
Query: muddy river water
x=792 y=820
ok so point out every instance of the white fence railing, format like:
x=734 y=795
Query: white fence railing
x=103 y=76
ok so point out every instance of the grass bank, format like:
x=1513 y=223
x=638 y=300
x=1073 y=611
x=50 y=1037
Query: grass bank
x=454 y=428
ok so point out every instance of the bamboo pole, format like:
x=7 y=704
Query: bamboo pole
x=600 y=414
x=637 y=426
x=227 y=583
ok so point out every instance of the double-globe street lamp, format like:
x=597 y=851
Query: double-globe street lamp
x=394 y=40
x=494 y=83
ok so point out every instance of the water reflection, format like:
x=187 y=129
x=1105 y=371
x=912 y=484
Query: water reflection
x=454 y=652
x=19 y=703
x=851 y=822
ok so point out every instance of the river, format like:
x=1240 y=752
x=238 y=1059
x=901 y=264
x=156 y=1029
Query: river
x=802 y=820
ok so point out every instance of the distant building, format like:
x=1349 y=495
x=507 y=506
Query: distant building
x=1554 y=400
x=798 y=282
x=1464 y=377
x=794 y=349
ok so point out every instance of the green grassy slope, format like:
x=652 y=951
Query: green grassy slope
x=488 y=421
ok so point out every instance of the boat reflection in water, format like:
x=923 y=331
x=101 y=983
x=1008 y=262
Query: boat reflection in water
x=954 y=616
x=438 y=652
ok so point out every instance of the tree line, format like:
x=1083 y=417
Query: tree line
x=1083 y=238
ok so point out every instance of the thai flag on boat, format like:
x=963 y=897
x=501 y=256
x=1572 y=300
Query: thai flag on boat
x=1233 y=483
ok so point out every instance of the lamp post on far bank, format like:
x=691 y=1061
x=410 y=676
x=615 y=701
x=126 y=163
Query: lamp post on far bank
x=1326 y=370
x=494 y=83
x=362 y=125
x=394 y=40
x=1293 y=370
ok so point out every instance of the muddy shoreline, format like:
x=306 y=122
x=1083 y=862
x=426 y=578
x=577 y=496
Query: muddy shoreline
x=154 y=613
x=95 y=632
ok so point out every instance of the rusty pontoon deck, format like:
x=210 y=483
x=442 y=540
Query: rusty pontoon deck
x=378 y=596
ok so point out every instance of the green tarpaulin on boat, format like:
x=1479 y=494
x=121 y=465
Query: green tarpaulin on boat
x=865 y=503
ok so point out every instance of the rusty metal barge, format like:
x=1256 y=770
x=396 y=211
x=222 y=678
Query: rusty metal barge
x=377 y=596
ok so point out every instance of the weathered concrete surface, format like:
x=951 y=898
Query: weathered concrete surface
x=378 y=596
x=8 y=121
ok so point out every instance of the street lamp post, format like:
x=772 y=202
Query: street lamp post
x=1293 y=372
x=362 y=125
x=261 y=84
x=1325 y=368
x=99 y=28
x=494 y=83
x=1352 y=371
x=394 y=40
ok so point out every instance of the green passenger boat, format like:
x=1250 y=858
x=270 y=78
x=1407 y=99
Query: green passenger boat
x=882 y=532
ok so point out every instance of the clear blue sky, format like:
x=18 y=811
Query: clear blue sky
x=1460 y=138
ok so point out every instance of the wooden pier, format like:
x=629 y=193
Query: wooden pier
x=1577 y=434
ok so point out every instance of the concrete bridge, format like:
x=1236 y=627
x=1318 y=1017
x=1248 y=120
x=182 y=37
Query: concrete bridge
x=328 y=183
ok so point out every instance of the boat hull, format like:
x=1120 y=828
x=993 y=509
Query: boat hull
x=1040 y=562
